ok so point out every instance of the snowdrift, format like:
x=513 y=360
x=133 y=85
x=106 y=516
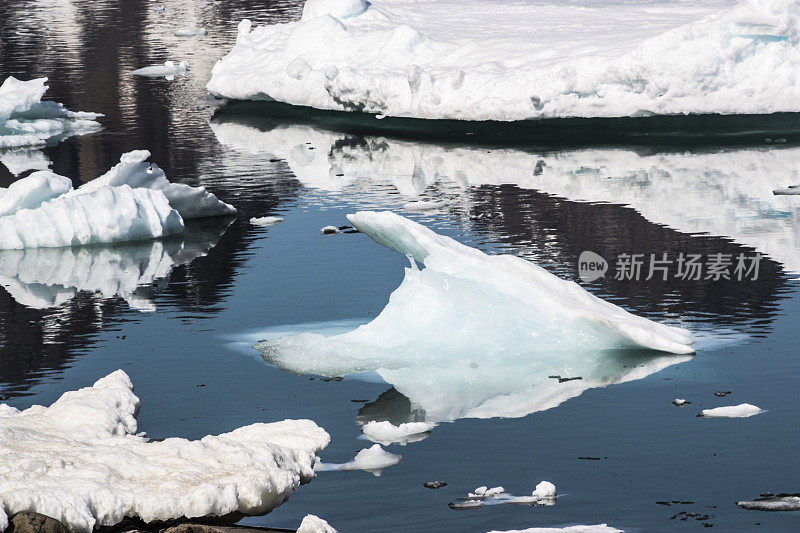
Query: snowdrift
x=133 y=201
x=25 y=120
x=82 y=462
x=510 y=60
x=470 y=334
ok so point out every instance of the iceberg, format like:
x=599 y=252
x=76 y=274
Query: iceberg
x=82 y=462
x=476 y=336
x=26 y=120
x=744 y=410
x=505 y=60
x=43 y=278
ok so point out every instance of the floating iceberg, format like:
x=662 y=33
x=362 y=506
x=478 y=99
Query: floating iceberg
x=133 y=201
x=265 y=221
x=26 y=120
x=373 y=460
x=168 y=70
x=733 y=411
x=386 y=433
x=506 y=60
x=42 y=278
x=82 y=462
x=474 y=335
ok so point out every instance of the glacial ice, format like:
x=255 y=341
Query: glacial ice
x=134 y=170
x=733 y=411
x=168 y=70
x=386 y=433
x=506 y=60
x=314 y=524
x=671 y=188
x=599 y=528
x=81 y=461
x=373 y=460
x=26 y=120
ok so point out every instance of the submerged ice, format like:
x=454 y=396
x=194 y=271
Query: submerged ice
x=81 y=461
x=26 y=120
x=476 y=335
x=506 y=60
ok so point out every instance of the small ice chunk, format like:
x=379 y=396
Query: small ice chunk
x=329 y=230
x=743 y=410
x=314 y=524
x=770 y=502
x=185 y=32
x=168 y=70
x=544 y=490
x=599 y=528
x=265 y=221
x=202 y=31
x=679 y=402
x=420 y=206
x=387 y=433
x=485 y=493
x=372 y=460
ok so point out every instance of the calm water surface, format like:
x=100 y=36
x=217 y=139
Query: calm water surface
x=184 y=335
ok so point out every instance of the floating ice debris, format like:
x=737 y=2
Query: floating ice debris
x=434 y=484
x=679 y=402
x=82 y=462
x=159 y=9
x=421 y=206
x=190 y=32
x=732 y=411
x=42 y=278
x=314 y=524
x=134 y=170
x=373 y=460
x=773 y=502
x=265 y=221
x=544 y=494
x=26 y=120
x=435 y=59
x=168 y=70
x=329 y=230
x=485 y=493
x=599 y=528
x=387 y=433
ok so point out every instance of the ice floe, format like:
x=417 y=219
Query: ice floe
x=133 y=201
x=168 y=70
x=544 y=494
x=190 y=32
x=386 y=433
x=314 y=524
x=373 y=460
x=506 y=60
x=733 y=411
x=82 y=462
x=42 y=278
x=27 y=120
x=598 y=528
x=671 y=188
x=265 y=221
x=772 y=502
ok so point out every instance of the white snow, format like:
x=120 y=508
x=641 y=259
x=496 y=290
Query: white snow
x=82 y=462
x=26 y=120
x=314 y=524
x=599 y=528
x=513 y=60
x=265 y=221
x=134 y=170
x=386 y=433
x=168 y=70
x=733 y=411
x=373 y=460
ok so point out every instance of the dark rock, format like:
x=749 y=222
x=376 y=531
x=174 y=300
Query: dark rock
x=589 y=458
x=29 y=522
x=722 y=393
x=434 y=484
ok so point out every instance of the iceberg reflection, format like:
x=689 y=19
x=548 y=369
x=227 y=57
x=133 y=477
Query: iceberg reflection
x=42 y=278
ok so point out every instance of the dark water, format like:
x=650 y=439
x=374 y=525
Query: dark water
x=547 y=193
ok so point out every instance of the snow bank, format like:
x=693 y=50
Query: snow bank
x=373 y=460
x=26 y=120
x=168 y=70
x=387 y=433
x=599 y=528
x=673 y=189
x=314 y=524
x=134 y=170
x=733 y=411
x=42 y=278
x=82 y=462
x=104 y=215
x=507 y=60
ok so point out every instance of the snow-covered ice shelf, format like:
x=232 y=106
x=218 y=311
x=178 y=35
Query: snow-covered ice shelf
x=81 y=461
x=512 y=59
x=26 y=120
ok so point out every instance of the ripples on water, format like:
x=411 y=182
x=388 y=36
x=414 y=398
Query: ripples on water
x=546 y=194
